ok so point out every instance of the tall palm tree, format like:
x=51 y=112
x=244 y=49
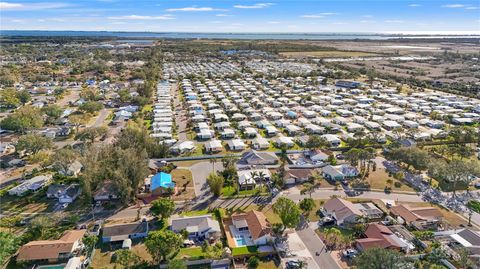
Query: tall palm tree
x=254 y=175
x=213 y=161
x=261 y=177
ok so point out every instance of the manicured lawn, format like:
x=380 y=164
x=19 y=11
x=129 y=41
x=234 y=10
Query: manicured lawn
x=196 y=213
x=230 y=191
x=193 y=253
x=244 y=250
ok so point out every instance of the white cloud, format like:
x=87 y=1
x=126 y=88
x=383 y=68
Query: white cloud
x=328 y=13
x=394 y=21
x=414 y=5
x=195 y=9
x=367 y=16
x=216 y=22
x=339 y=23
x=312 y=16
x=258 y=5
x=31 y=6
x=223 y=15
x=367 y=21
x=139 y=17
x=17 y=21
x=273 y=22
x=454 y=6
x=472 y=8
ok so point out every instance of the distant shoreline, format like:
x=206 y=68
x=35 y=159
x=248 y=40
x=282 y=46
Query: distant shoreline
x=246 y=36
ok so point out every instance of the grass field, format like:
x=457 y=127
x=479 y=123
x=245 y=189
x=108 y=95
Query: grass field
x=328 y=54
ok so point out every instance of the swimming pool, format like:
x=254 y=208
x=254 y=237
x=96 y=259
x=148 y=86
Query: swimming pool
x=53 y=266
x=241 y=241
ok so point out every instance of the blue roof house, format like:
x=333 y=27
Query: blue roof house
x=161 y=182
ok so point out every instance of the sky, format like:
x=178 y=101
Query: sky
x=285 y=16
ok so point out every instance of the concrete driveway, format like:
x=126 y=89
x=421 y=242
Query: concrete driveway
x=200 y=172
x=313 y=243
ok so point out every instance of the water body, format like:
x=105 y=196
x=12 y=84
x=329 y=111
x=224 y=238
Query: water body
x=260 y=36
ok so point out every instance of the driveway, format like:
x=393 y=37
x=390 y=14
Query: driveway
x=314 y=244
x=200 y=172
x=297 y=248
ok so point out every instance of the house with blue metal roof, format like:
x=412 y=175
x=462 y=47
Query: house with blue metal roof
x=161 y=182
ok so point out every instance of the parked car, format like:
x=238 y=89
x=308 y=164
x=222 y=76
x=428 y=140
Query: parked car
x=350 y=253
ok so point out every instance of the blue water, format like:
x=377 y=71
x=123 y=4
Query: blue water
x=55 y=266
x=241 y=241
x=176 y=35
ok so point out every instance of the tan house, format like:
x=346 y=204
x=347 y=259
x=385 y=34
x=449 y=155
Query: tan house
x=343 y=211
x=249 y=229
x=418 y=217
x=52 y=250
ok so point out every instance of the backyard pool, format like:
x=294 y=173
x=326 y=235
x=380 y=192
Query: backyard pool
x=53 y=266
x=241 y=241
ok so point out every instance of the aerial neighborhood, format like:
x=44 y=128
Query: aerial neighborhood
x=192 y=154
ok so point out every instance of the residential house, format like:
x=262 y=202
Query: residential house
x=73 y=169
x=333 y=140
x=120 y=232
x=64 y=193
x=213 y=146
x=248 y=178
x=293 y=176
x=62 y=249
x=317 y=155
x=344 y=212
x=161 y=183
x=250 y=229
x=107 y=192
x=260 y=143
x=339 y=172
x=466 y=238
x=419 y=217
x=34 y=184
x=254 y=157
x=236 y=145
x=198 y=227
x=380 y=236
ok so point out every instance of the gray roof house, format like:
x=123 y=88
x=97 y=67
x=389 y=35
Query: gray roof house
x=198 y=227
x=120 y=232
x=258 y=158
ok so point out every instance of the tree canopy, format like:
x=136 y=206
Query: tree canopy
x=33 y=143
x=161 y=244
x=379 y=258
x=23 y=119
x=288 y=211
x=163 y=208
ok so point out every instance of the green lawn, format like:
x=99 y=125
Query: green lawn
x=194 y=253
x=196 y=213
x=230 y=191
x=244 y=250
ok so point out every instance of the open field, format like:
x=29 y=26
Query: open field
x=327 y=54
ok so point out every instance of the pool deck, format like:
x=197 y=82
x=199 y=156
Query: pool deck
x=230 y=240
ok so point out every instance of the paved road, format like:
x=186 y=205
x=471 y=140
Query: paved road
x=181 y=116
x=314 y=244
x=326 y=194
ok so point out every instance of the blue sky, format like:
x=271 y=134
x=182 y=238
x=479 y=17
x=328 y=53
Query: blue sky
x=400 y=16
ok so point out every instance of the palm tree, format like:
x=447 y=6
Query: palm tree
x=213 y=161
x=254 y=175
x=261 y=177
